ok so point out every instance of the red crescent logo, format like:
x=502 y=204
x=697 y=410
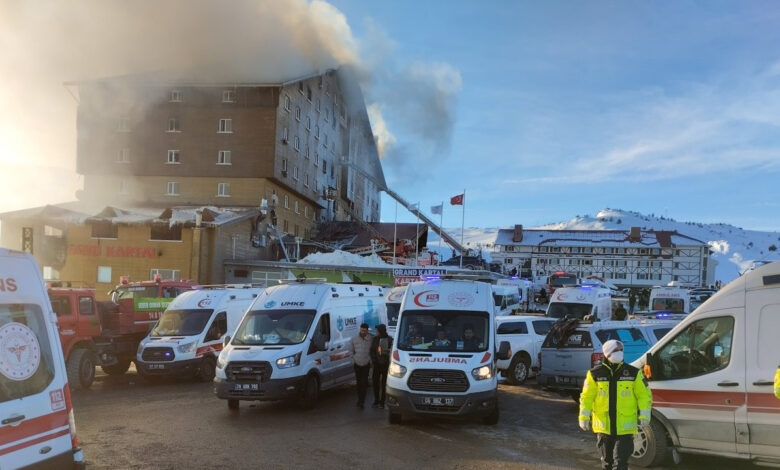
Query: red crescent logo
x=418 y=301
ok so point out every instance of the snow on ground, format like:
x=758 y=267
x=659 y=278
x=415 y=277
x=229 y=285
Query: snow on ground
x=345 y=259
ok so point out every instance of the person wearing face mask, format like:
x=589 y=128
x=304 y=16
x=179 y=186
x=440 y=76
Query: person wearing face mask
x=613 y=395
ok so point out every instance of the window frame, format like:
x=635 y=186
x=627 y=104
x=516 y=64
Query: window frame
x=174 y=157
x=224 y=157
x=225 y=126
x=172 y=188
x=223 y=189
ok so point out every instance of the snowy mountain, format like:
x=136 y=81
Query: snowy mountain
x=734 y=248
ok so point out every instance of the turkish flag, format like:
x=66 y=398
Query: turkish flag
x=457 y=200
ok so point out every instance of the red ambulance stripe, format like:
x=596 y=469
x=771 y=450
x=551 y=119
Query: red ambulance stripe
x=31 y=427
x=34 y=441
x=697 y=399
x=215 y=348
x=336 y=357
x=763 y=403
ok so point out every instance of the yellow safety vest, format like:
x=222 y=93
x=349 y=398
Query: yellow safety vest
x=625 y=388
x=777 y=383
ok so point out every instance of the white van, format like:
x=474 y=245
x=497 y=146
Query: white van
x=444 y=357
x=294 y=341
x=188 y=337
x=37 y=427
x=580 y=301
x=525 y=289
x=670 y=299
x=711 y=377
x=506 y=300
x=393 y=305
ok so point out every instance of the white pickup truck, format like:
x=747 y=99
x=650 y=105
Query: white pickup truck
x=525 y=335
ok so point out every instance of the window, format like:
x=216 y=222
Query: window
x=316 y=131
x=542 y=327
x=104 y=230
x=104 y=274
x=295 y=230
x=124 y=125
x=332 y=171
x=284 y=165
x=173 y=125
x=50 y=231
x=223 y=190
x=172 y=188
x=86 y=306
x=173 y=157
x=175 y=96
x=324 y=167
x=172 y=274
x=285 y=226
x=218 y=328
x=286 y=102
x=306 y=211
x=165 y=232
x=228 y=96
x=285 y=135
x=50 y=273
x=308 y=93
x=295 y=173
x=122 y=187
x=297 y=144
x=223 y=157
x=513 y=328
x=225 y=126
x=123 y=156
x=306 y=180
x=317 y=104
x=325 y=140
x=300 y=87
x=297 y=211
x=702 y=348
x=297 y=113
x=308 y=123
x=316 y=158
x=286 y=202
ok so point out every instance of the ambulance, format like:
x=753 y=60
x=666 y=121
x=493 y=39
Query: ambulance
x=37 y=428
x=584 y=300
x=294 y=341
x=188 y=337
x=670 y=299
x=443 y=361
x=711 y=377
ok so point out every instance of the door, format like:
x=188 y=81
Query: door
x=66 y=320
x=212 y=341
x=321 y=359
x=763 y=357
x=698 y=381
x=88 y=321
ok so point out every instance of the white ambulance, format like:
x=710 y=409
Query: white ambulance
x=37 y=427
x=444 y=356
x=188 y=337
x=584 y=300
x=711 y=377
x=670 y=299
x=294 y=341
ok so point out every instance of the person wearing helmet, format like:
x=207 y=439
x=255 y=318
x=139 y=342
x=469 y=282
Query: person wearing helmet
x=612 y=395
x=777 y=382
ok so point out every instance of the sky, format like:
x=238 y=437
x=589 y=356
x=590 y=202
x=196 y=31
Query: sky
x=540 y=111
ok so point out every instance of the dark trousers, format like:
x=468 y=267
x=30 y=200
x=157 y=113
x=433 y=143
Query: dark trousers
x=379 y=380
x=615 y=450
x=361 y=375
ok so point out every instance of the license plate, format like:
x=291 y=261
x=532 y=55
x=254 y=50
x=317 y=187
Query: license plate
x=438 y=401
x=156 y=366
x=565 y=380
x=246 y=387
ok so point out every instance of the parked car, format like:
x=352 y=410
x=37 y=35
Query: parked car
x=525 y=334
x=572 y=348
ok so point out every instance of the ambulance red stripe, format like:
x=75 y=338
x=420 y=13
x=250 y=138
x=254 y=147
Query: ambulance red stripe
x=33 y=426
x=763 y=403
x=215 y=348
x=38 y=440
x=698 y=399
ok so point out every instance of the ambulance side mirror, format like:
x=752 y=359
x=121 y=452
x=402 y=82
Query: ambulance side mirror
x=648 y=367
x=504 y=351
x=225 y=340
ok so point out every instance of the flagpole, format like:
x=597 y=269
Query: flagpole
x=462 y=225
x=441 y=227
x=395 y=230
x=417 y=235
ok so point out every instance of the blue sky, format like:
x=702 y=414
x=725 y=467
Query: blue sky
x=566 y=108
x=540 y=110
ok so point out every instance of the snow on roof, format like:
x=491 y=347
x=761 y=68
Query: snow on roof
x=618 y=238
x=210 y=215
x=344 y=258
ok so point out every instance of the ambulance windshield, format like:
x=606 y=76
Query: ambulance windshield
x=265 y=327
x=568 y=309
x=444 y=330
x=187 y=322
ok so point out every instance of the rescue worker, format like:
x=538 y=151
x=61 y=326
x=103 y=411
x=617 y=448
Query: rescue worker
x=777 y=382
x=612 y=394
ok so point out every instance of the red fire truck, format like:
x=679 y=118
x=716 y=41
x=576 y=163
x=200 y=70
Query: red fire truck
x=108 y=333
x=560 y=279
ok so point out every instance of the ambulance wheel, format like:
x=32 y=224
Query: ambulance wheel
x=518 y=369
x=651 y=448
x=394 y=418
x=310 y=393
x=232 y=404
x=207 y=369
x=492 y=418
x=117 y=369
x=81 y=368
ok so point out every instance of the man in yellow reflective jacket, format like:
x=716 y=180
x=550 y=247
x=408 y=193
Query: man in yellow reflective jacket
x=777 y=382
x=613 y=395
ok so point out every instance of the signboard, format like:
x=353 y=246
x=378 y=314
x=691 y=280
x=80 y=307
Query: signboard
x=144 y=304
x=403 y=276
